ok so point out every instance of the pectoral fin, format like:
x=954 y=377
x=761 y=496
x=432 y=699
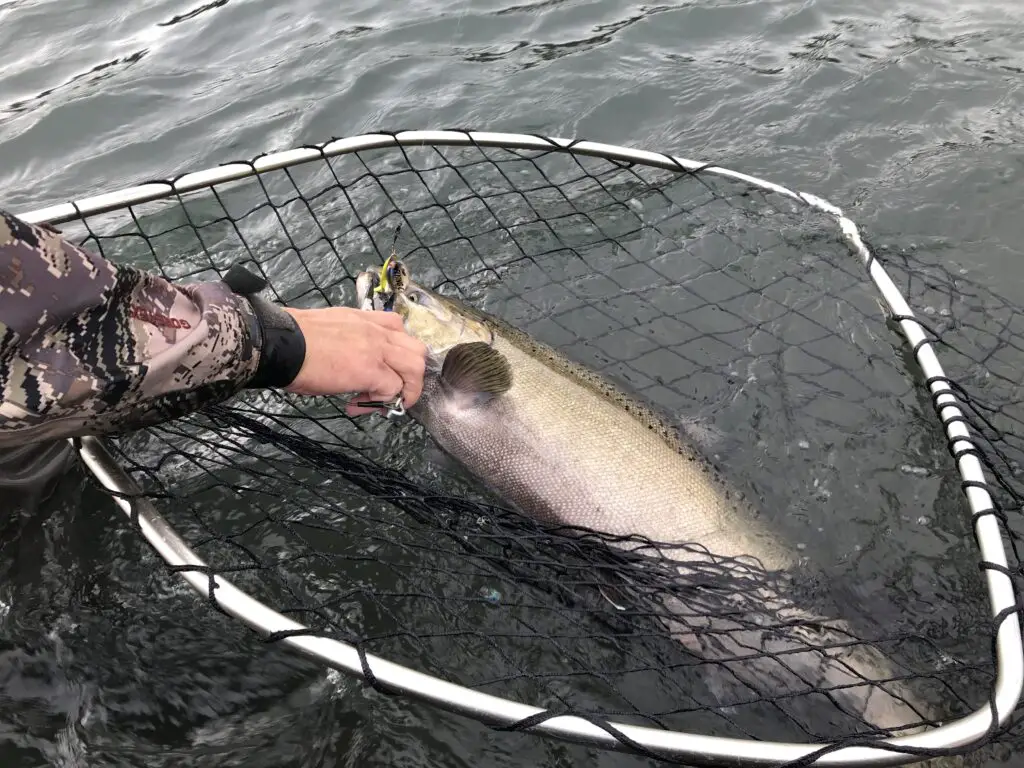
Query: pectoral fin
x=476 y=370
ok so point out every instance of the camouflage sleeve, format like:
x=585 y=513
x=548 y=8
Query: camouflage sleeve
x=87 y=347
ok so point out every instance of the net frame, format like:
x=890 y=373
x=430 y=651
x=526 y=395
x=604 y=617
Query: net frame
x=694 y=749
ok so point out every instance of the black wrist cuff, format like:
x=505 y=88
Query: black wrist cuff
x=284 y=347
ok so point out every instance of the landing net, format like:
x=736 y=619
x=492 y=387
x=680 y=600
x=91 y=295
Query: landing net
x=867 y=399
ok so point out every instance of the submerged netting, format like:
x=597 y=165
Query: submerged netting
x=740 y=314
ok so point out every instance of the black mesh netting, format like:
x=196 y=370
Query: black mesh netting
x=742 y=316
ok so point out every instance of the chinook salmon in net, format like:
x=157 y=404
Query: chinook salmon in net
x=700 y=474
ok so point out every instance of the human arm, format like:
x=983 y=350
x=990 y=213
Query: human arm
x=89 y=347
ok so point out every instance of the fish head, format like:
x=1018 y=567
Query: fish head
x=435 y=320
x=463 y=369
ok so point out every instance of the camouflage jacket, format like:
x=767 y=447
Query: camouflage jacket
x=87 y=347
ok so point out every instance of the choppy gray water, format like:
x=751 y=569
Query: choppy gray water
x=908 y=117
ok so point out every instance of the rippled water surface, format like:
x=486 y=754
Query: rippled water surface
x=906 y=114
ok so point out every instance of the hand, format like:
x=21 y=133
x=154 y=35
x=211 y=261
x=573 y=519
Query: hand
x=351 y=350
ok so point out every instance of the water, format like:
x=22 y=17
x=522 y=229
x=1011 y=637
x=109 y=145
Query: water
x=907 y=117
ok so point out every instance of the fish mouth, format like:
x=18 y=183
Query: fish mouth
x=368 y=298
x=376 y=290
x=438 y=323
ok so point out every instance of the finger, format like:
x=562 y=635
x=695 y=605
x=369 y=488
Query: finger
x=410 y=343
x=352 y=407
x=387 y=382
x=390 y=320
x=410 y=367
